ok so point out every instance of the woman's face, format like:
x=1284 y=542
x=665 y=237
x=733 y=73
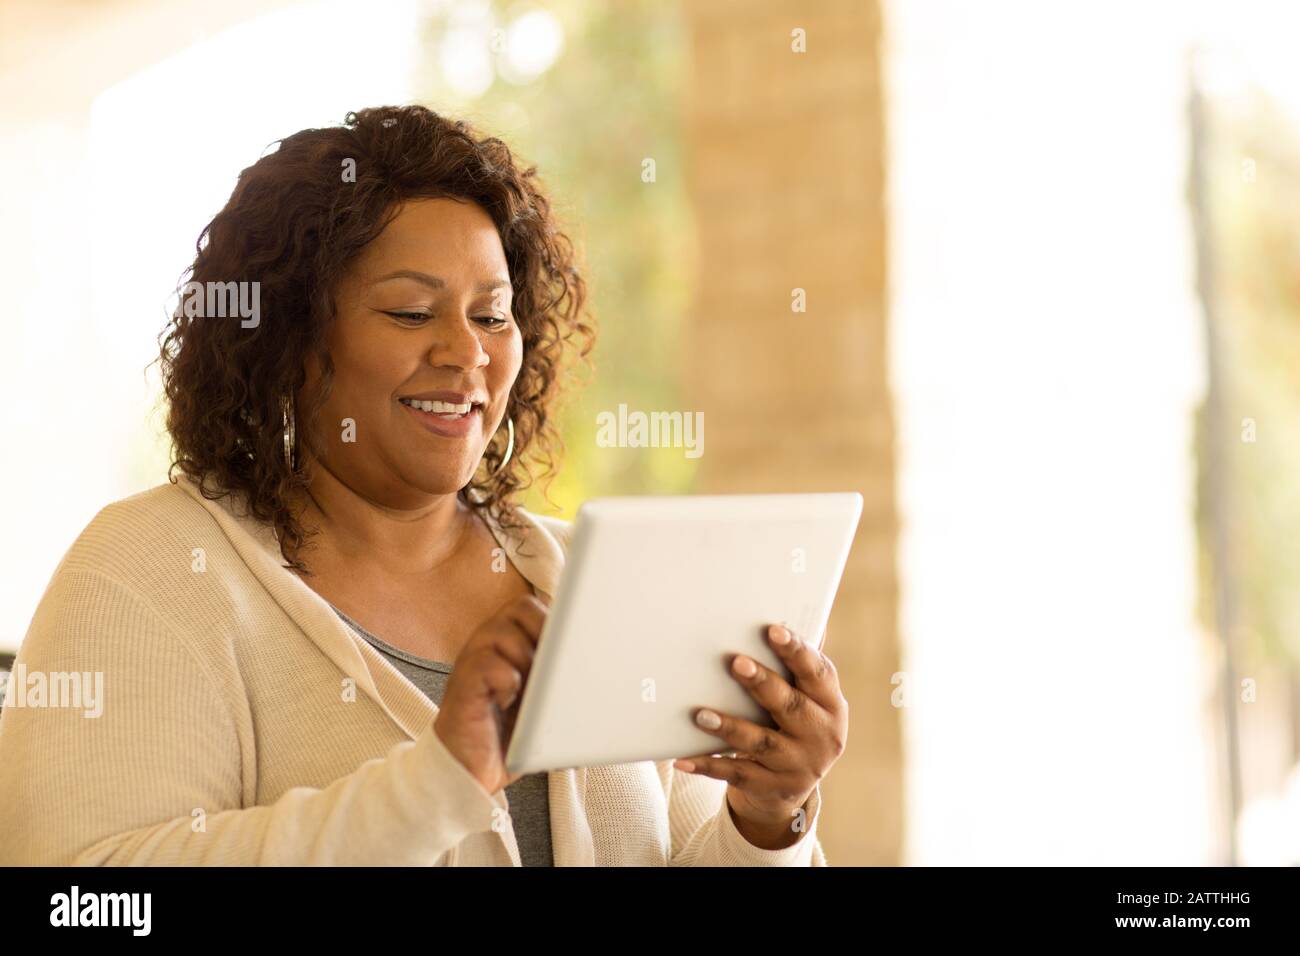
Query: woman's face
x=424 y=314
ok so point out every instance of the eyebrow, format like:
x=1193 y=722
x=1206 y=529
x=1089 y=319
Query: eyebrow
x=437 y=282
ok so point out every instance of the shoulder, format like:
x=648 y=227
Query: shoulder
x=537 y=544
x=136 y=532
x=558 y=529
x=155 y=563
x=152 y=545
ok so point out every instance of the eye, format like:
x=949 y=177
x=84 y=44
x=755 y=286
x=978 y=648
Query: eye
x=417 y=318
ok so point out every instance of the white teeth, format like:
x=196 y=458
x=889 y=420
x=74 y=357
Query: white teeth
x=438 y=408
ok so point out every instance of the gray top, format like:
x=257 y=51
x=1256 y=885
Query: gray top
x=530 y=811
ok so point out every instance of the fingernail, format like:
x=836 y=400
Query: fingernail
x=779 y=634
x=744 y=667
x=708 y=720
x=686 y=765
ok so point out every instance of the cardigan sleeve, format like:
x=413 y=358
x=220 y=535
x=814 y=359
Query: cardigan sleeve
x=155 y=777
x=704 y=834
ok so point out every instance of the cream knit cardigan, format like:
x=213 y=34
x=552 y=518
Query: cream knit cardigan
x=244 y=723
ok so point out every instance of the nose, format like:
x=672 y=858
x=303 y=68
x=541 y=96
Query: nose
x=457 y=343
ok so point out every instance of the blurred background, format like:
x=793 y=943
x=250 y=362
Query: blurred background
x=1027 y=276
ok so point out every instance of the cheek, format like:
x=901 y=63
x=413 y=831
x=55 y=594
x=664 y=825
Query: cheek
x=367 y=369
x=507 y=356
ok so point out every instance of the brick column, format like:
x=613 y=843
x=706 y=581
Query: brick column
x=785 y=167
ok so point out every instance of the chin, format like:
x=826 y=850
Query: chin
x=439 y=481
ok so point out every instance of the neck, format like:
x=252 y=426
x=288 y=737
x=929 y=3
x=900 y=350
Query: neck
x=355 y=528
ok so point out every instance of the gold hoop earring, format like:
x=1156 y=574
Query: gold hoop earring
x=510 y=447
x=290 y=433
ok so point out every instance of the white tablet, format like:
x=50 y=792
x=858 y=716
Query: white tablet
x=657 y=595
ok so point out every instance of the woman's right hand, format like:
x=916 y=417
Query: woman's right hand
x=481 y=702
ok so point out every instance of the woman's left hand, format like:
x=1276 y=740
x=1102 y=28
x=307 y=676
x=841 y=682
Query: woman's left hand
x=774 y=771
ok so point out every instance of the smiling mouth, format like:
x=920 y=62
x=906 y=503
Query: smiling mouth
x=448 y=411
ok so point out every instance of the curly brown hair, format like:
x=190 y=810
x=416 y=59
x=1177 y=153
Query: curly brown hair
x=294 y=223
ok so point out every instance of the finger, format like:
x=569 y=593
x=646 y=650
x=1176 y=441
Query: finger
x=720 y=754
x=760 y=744
x=527 y=613
x=814 y=672
x=512 y=645
x=740 y=773
x=501 y=681
x=792 y=709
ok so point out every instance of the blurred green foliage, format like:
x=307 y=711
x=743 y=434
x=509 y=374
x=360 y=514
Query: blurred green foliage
x=612 y=99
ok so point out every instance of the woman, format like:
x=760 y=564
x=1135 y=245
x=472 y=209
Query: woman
x=311 y=637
